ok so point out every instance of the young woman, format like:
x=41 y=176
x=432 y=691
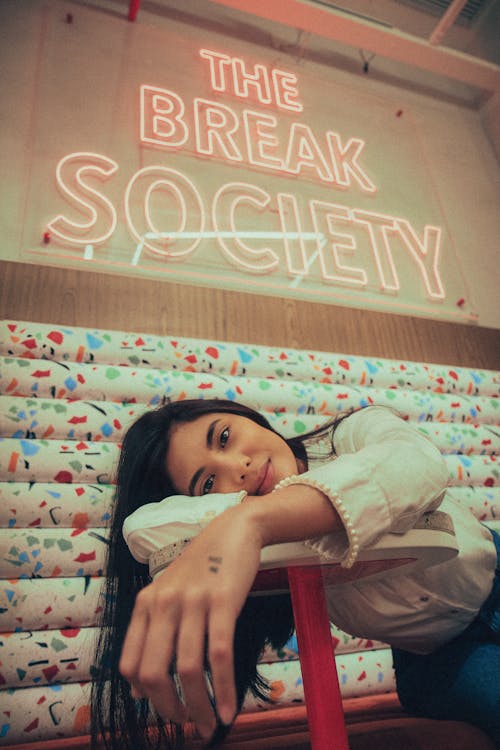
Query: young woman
x=191 y=644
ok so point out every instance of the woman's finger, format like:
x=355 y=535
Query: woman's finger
x=147 y=653
x=190 y=665
x=130 y=657
x=221 y=628
x=157 y=652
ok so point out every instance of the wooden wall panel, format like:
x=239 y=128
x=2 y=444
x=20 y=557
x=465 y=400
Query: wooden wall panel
x=74 y=297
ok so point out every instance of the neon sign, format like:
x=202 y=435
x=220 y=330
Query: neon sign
x=230 y=75
x=256 y=128
x=85 y=198
x=217 y=125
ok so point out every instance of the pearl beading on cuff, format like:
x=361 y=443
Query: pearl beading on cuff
x=352 y=536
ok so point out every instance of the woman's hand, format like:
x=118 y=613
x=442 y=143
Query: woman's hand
x=197 y=600
x=194 y=603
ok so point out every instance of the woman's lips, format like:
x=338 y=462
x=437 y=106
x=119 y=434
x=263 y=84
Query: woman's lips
x=266 y=479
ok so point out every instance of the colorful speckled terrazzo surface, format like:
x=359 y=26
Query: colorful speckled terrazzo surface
x=67 y=395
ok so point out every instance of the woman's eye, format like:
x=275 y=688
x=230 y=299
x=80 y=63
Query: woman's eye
x=208 y=485
x=224 y=437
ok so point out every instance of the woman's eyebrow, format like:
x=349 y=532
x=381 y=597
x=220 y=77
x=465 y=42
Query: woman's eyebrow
x=199 y=472
x=210 y=432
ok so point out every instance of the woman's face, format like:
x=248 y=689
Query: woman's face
x=222 y=452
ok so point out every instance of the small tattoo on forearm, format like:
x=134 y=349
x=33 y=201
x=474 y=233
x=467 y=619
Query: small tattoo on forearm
x=214 y=568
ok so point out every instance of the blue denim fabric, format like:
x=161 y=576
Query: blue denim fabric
x=460 y=680
x=490 y=611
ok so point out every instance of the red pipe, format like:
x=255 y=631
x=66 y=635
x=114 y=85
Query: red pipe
x=323 y=700
x=133 y=9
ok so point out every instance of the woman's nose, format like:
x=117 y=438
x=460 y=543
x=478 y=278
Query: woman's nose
x=236 y=468
x=241 y=466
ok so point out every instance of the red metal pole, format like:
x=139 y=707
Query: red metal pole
x=325 y=713
x=133 y=9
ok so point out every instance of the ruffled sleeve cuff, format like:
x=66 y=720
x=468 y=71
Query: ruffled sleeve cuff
x=173 y=522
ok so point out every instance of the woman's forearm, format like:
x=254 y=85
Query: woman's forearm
x=291 y=514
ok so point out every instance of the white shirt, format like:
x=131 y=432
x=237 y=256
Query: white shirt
x=385 y=476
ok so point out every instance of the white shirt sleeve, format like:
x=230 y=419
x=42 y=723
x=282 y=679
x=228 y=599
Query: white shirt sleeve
x=173 y=520
x=385 y=476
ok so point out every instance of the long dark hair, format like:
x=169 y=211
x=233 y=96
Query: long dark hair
x=118 y=721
